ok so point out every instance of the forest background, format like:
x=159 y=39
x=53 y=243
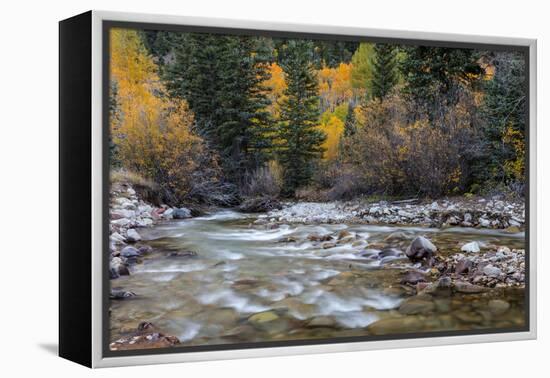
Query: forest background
x=219 y=120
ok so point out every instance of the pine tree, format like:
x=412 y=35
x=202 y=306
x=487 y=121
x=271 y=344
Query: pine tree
x=246 y=128
x=504 y=116
x=298 y=129
x=384 y=70
x=349 y=124
x=221 y=78
x=433 y=75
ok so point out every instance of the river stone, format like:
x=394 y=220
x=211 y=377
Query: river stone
x=117 y=238
x=396 y=325
x=463 y=266
x=317 y=237
x=122 y=222
x=491 y=271
x=472 y=247
x=416 y=306
x=168 y=213
x=498 y=306
x=322 y=321
x=343 y=234
x=181 y=213
x=329 y=245
x=263 y=317
x=468 y=288
x=420 y=249
x=121 y=294
x=118 y=268
x=132 y=236
x=484 y=222
x=413 y=277
x=468 y=317
x=129 y=252
x=512 y=230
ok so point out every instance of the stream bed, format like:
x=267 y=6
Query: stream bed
x=250 y=283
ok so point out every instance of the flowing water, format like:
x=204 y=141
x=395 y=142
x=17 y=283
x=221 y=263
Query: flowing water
x=296 y=288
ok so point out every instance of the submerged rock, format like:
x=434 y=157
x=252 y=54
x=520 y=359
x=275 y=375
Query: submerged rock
x=468 y=288
x=416 y=306
x=498 y=306
x=396 y=325
x=413 y=277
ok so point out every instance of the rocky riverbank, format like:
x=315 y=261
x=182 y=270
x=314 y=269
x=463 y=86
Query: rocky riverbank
x=129 y=213
x=481 y=212
x=335 y=273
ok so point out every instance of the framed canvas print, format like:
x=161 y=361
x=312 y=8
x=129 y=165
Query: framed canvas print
x=235 y=189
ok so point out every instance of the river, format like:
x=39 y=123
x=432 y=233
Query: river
x=248 y=283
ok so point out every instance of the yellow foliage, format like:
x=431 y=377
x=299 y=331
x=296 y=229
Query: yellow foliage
x=335 y=85
x=276 y=85
x=153 y=136
x=333 y=128
x=516 y=167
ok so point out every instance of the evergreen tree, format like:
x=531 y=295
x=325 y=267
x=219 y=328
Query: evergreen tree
x=221 y=78
x=349 y=124
x=433 y=75
x=384 y=76
x=246 y=128
x=115 y=117
x=298 y=130
x=504 y=115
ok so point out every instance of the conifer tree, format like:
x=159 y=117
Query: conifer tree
x=221 y=78
x=384 y=76
x=349 y=123
x=298 y=130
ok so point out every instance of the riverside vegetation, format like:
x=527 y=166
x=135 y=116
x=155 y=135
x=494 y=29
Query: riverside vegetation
x=269 y=189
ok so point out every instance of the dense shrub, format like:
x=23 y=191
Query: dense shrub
x=398 y=151
x=264 y=181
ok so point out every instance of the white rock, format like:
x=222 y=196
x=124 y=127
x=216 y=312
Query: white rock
x=145 y=222
x=132 y=235
x=123 y=213
x=123 y=222
x=484 y=222
x=168 y=213
x=117 y=238
x=472 y=247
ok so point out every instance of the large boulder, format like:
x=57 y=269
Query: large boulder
x=181 y=213
x=421 y=250
x=260 y=205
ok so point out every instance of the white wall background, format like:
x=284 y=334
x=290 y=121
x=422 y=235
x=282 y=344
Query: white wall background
x=28 y=201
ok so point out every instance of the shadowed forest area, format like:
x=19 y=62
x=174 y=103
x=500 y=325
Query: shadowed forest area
x=220 y=120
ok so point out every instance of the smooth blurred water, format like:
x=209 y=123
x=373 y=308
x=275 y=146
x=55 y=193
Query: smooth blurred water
x=242 y=269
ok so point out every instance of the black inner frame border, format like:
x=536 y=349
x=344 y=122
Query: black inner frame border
x=107 y=25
